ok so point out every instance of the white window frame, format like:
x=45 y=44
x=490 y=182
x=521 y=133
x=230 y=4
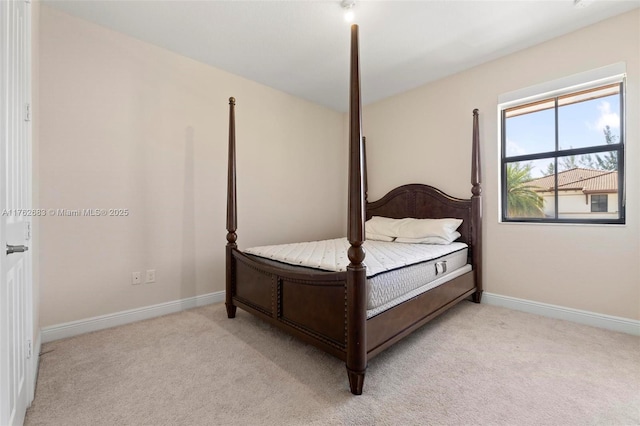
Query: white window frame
x=614 y=73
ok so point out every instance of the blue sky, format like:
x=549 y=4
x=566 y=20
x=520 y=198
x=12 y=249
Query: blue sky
x=579 y=125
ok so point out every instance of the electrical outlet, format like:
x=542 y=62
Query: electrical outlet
x=151 y=276
x=136 y=278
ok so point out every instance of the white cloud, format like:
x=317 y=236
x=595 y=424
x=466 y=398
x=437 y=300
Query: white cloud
x=514 y=149
x=607 y=118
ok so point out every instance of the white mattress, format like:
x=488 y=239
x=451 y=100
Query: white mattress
x=331 y=255
x=388 y=286
x=371 y=312
x=394 y=270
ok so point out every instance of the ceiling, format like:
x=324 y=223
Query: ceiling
x=301 y=46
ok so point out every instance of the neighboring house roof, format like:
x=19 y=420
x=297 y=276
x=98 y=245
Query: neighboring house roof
x=588 y=181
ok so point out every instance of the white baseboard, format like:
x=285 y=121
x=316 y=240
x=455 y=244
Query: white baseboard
x=623 y=325
x=74 y=328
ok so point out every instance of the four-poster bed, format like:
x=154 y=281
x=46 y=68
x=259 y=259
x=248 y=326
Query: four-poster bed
x=329 y=309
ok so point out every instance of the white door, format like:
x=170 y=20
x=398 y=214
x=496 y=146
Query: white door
x=15 y=201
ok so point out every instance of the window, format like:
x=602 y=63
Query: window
x=561 y=148
x=599 y=203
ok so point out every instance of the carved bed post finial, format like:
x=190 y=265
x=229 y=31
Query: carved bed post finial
x=232 y=213
x=476 y=207
x=356 y=271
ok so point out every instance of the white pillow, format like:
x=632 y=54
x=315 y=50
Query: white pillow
x=383 y=226
x=430 y=240
x=413 y=228
x=378 y=237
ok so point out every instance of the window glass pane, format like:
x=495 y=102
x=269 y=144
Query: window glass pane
x=530 y=132
x=582 y=177
x=524 y=195
x=591 y=122
x=599 y=203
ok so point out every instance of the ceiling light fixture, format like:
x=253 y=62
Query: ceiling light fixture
x=348 y=5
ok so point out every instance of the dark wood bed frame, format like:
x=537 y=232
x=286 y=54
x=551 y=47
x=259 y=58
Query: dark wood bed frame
x=328 y=309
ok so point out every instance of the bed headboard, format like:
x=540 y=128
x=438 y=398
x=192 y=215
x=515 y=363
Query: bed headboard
x=424 y=202
x=421 y=201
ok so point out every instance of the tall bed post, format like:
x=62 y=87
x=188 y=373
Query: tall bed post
x=366 y=179
x=356 y=271
x=232 y=213
x=476 y=208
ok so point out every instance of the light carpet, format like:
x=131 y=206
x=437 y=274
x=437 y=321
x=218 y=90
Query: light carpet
x=476 y=364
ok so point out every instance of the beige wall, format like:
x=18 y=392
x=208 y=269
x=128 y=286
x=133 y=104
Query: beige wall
x=425 y=134
x=125 y=124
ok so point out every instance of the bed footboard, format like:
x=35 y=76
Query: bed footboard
x=309 y=306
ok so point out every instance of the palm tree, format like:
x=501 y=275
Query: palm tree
x=522 y=200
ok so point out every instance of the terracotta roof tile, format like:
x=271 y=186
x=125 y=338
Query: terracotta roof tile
x=579 y=179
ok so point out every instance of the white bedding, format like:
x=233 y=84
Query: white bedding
x=331 y=255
